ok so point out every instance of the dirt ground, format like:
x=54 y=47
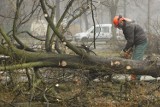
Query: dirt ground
x=77 y=91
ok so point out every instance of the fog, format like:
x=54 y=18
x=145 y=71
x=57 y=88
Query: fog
x=144 y=12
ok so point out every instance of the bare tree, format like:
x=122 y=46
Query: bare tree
x=113 y=6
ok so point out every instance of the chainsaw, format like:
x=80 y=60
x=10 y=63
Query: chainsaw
x=128 y=53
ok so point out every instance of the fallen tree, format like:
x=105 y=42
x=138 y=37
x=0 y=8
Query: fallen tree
x=25 y=57
x=89 y=62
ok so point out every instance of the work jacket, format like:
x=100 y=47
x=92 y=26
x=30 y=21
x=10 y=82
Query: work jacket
x=134 y=34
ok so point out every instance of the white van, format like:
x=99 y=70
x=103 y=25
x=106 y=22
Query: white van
x=103 y=33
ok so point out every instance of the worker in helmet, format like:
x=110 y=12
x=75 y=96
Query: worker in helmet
x=135 y=36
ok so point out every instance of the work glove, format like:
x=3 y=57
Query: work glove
x=122 y=53
x=126 y=55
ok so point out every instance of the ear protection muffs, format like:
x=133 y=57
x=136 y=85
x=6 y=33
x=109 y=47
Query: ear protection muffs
x=119 y=17
x=117 y=21
x=120 y=21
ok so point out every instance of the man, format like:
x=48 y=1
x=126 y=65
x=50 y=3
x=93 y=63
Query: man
x=135 y=36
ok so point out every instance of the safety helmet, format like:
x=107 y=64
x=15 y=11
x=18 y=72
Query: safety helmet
x=117 y=20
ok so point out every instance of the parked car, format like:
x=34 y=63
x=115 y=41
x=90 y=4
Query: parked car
x=103 y=32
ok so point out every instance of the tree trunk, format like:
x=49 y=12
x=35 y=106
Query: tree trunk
x=107 y=65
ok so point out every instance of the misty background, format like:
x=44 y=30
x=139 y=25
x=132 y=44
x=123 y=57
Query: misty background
x=144 y=12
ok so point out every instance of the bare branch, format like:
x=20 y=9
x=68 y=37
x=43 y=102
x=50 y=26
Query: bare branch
x=79 y=52
x=32 y=35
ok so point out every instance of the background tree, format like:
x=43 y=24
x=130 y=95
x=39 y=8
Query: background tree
x=113 y=6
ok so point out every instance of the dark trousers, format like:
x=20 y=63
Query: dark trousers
x=139 y=51
x=138 y=54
